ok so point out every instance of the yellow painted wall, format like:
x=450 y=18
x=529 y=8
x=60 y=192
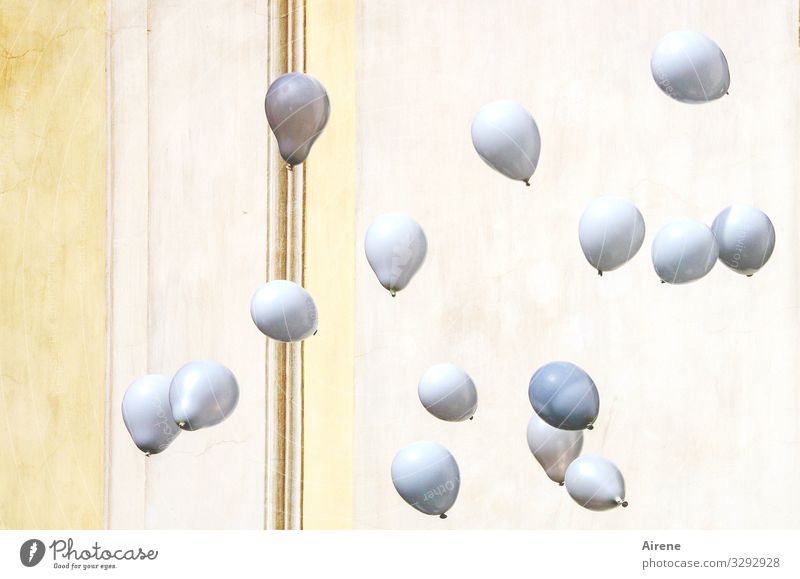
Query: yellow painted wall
x=52 y=263
x=329 y=273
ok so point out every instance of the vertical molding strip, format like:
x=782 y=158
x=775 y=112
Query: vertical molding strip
x=285 y=261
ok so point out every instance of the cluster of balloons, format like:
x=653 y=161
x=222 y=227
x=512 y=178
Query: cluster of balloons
x=688 y=67
x=565 y=402
x=155 y=409
x=611 y=231
x=425 y=474
x=203 y=393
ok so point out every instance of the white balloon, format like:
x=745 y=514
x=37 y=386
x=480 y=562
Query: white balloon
x=147 y=414
x=689 y=67
x=447 y=392
x=611 y=231
x=684 y=250
x=284 y=311
x=395 y=246
x=746 y=238
x=506 y=137
x=203 y=393
x=426 y=475
x=554 y=448
x=595 y=483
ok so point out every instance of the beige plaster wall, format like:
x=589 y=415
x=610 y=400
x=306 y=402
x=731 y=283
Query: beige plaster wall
x=190 y=209
x=698 y=384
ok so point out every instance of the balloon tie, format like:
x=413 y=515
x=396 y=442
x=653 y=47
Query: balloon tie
x=600 y=273
x=315 y=332
x=471 y=417
x=561 y=484
x=621 y=503
x=442 y=516
x=289 y=167
x=147 y=453
x=394 y=293
x=527 y=183
x=590 y=427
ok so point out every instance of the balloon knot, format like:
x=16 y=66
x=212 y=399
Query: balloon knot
x=442 y=516
x=662 y=281
x=561 y=484
x=181 y=424
x=749 y=275
x=394 y=293
x=624 y=503
x=527 y=183
x=726 y=92
x=600 y=273
x=471 y=417
x=147 y=454
x=315 y=332
x=590 y=427
x=289 y=167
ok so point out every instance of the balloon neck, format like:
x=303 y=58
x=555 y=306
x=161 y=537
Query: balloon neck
x=147 y=453
x=181 y=424
x=600 y=273
x=749 y=275
x=315 y=332
x=590 y=427
x=727 y=93
x=561 y=484
x=662 y=281
x=289 y=167
x=442 y=516
x=394 y=293
x=622 y=503
x=471 y=417
x=527 y=183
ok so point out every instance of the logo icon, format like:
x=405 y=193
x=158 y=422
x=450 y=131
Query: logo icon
x=31 y=552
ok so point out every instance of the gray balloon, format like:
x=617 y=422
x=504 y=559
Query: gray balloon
x=284 y=311
x=396 y=247
x=202 y=393
x=684 y=250
x=447 y=392
x=147 y=414
x=746 y=238
x=297 y=109
x=595 y=483
x=564 y=396
x=554 y=448
x=611 y=231
x=689 y=67
x=426 y=475
x=506 y=137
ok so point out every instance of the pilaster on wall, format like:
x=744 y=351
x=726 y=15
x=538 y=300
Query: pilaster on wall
x=285 y=242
